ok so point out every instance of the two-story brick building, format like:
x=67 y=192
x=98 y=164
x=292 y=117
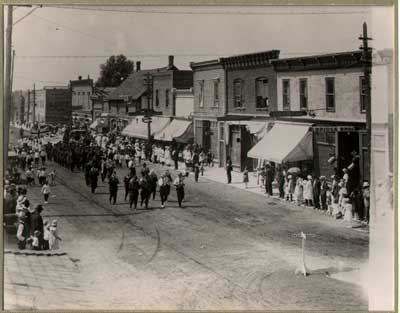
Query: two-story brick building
x=53 y=105
x=233 y=97
x=327 y=94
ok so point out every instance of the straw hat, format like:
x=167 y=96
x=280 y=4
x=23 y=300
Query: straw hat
x=54 y=223
x=309 y=177
x=365 y=184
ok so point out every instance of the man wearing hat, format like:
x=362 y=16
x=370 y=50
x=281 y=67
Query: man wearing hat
x=366 y=195
x=323 y=194
x=316 y=193
x=36 y=223
x=113 y=186
x=269 y=177
x=180 y=188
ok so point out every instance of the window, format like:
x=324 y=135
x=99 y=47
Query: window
x=166 y=97
x=201 y=94
x=157 y=99
x=237 y=93
x=221 y=131
x=286 y=94
x=262 y=93
x=303 y=93
x=363 y=94
x=216 y=92
x=330 y=94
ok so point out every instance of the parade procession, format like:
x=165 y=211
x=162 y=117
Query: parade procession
x=259 y=177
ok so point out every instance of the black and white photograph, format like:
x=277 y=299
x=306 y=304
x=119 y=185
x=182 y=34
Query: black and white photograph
x=199 y=157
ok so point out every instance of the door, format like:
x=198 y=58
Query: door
x=235 y=146
x=207 y=135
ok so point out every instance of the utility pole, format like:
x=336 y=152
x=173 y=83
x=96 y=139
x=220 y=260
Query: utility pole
x=367 y=61
x=149 y=93
x=12 y=69
x=34 y=106
x=8 y=91
x=29 y=108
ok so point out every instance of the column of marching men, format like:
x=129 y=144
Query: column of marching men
x=97 y=159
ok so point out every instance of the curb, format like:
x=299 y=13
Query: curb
x=35 y=253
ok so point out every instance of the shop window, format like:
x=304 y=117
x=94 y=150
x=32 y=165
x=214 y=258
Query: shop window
x=201 y=94
x=157 y=98
x=216 y=92
x=166 y=97
x=330 y=94
x=363 y=94
x=286 y=94
x=237 y=93
x=303 y=94
x=221 y=131
x=262 y=93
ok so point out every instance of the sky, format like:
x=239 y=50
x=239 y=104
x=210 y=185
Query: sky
x=54 y=45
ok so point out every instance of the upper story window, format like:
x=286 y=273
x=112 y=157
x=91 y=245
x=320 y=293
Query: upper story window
x=286 y=94
x=166 y=97
x=330 y=94
x=262 y=93
x=216 y=92
x=238 y=93
x=303 y=93
x=201 y=94
x=157 y=98
x=363 y=94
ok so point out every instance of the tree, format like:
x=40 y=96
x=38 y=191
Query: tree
x=114 y=71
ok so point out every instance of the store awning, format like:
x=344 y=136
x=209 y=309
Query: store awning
x=173 y=130
x=285 y=142
x=138 y=129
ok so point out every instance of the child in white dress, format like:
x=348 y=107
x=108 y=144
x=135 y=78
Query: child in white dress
x=54 y=239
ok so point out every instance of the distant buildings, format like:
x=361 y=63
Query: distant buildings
x=53 y=105
x=82 y=91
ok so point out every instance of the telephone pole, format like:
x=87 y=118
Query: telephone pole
x=367 y=61
x=34 y=106
x=7 y=78
x=148 y=81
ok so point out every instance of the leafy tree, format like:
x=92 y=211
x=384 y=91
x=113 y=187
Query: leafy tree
x=115 y=70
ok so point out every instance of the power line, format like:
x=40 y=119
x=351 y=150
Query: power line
x=102 y=9
x=37 y=80
x=26 y=15
x=151 y=55
x=72 y=29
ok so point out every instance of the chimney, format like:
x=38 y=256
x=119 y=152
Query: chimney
x=170 y=61
x=80 y=77
x=137 y=66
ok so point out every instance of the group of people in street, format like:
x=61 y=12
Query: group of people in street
x=32 y=231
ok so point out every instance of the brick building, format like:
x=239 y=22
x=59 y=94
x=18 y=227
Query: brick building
x=53 y=105
x=326 y=93
x=233 y=97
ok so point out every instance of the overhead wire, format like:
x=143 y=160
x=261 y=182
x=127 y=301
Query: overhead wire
x=193 y=12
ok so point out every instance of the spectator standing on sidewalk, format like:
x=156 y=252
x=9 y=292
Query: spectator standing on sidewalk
x=196 y=172
x=246 y=177
x=46 y=235
x=54 y=238
x=126 y=185
x=229 y=169
x=22 y=230
x=280 y=179
x=366 y=195
x=269 y=177
x=308 y=191
x=316 y=193
x=175 y=157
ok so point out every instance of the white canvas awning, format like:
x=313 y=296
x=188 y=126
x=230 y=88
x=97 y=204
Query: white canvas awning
x=138 y=129
x=285 y=142
x=173 y=130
